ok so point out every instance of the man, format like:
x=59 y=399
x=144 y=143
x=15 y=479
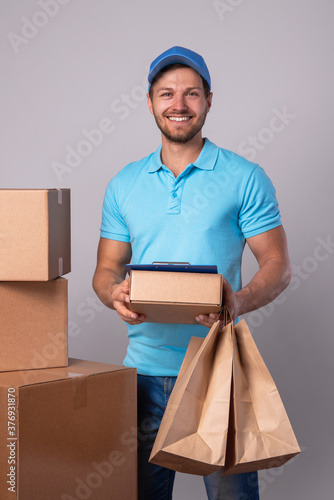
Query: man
x=189 y=201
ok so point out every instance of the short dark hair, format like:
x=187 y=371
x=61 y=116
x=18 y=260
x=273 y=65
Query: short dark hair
x=175 y=66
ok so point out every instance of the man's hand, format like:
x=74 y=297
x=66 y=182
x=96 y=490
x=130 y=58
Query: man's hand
x=120 y=302
x=271 y=252
x=109 y=283
x=229 y=301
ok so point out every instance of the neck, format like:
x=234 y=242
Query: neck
x=176 y=156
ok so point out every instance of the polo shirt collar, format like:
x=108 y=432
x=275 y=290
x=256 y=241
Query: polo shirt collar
x=155 y=163
x=206 y=160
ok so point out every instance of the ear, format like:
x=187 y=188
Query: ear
x=149 y=103
x=209 y=101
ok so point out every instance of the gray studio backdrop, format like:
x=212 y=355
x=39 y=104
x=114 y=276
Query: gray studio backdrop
x=73 y=112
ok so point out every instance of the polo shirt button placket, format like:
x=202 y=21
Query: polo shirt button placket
x=174 y=202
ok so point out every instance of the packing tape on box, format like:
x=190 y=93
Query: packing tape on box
x=79 y=388
x=60 y=196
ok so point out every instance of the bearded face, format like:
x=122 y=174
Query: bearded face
x=179 y=104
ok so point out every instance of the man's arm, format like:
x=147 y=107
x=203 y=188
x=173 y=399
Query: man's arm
x=271 y=252
x=109 y=280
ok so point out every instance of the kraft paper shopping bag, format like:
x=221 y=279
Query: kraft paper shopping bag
x=225 y=410
x=260 y=434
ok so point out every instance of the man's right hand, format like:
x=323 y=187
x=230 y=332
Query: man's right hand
x=120 y=302
x=112 y=255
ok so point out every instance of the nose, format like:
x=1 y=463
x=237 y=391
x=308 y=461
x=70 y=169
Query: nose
x=179 y=103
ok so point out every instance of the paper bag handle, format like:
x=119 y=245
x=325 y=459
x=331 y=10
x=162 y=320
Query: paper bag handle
x=227 y=318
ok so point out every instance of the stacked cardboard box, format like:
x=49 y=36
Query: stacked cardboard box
x=68 y=433
x=66 y=429
x=34 y=254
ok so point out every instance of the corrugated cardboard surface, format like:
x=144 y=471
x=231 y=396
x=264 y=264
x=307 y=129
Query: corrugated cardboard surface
x=34 y=234
x=34 y=324
x=174 y=297
x=76 y=433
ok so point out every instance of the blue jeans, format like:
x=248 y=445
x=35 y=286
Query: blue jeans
x=155 y=482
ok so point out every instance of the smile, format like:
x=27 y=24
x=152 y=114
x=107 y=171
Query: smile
x=178 y=119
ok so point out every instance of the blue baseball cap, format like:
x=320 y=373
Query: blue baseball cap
x=179 y=55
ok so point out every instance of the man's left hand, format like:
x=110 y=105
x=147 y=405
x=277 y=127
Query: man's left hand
x=229 y=301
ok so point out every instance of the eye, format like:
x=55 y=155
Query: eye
x=166 y=94
x=193 y=93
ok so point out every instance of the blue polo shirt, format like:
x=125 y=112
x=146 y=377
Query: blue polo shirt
x=203 y=216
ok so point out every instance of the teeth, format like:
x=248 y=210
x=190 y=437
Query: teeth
x=177 y=119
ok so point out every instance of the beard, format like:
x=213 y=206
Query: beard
x=181 y=136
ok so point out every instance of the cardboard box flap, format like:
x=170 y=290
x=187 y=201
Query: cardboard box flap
x=76 y=368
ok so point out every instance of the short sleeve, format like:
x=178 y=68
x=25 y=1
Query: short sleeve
x=113 y=226
x=259 y=210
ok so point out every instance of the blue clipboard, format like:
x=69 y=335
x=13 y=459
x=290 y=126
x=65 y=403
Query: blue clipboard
x=181 y=267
